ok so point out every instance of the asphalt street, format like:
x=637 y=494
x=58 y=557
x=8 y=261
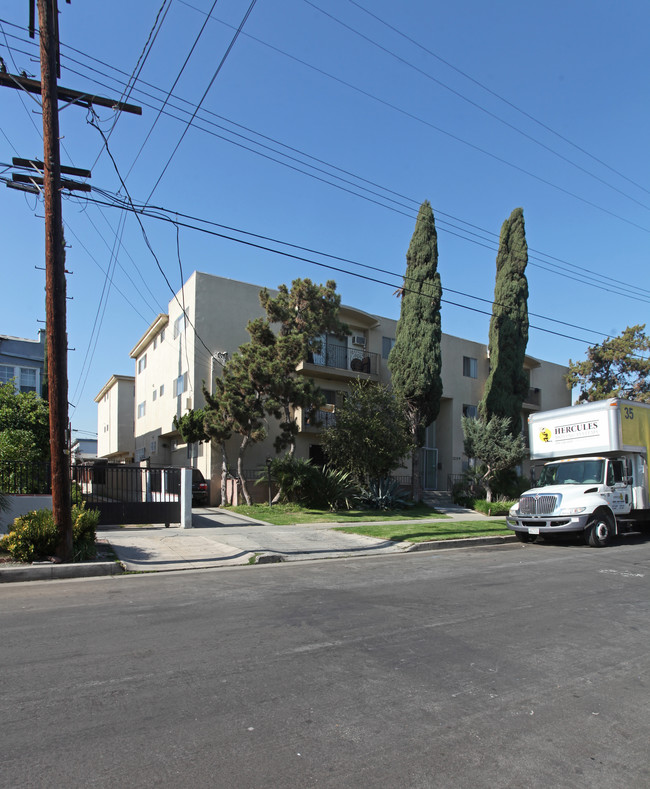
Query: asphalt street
x=509 y=666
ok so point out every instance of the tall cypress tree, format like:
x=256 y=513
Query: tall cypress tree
x=507 y=384
x=415 y=361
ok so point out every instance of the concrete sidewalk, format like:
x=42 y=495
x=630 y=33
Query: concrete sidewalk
x=220 y=538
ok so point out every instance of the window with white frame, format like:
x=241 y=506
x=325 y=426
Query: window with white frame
x=7 y=373
x=25 y=378
x=153 y=446
x=162 y=390
x=142 y=408
x=470 y=367
x=180 y=384
x=155 y=394
x=155 y=343
x=162 y=335
x=142 y=363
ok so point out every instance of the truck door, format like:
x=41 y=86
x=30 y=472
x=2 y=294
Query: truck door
x=618 y=493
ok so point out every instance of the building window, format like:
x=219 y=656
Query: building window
x=153 y=446
x=470 y=411
x=162 y=335
x=194 y=450
x=155 y=394
x=386 y=346
x=142 y=407
x=6 y=373
x=470 y=367
x=142 y=363
x=162 y=390
x=179 y=324
x=139 y=455
x=180 y=385
x=25 y=378
x=155 y=343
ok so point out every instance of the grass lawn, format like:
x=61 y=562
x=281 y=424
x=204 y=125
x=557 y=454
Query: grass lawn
x=289 y=514
x=445 y=530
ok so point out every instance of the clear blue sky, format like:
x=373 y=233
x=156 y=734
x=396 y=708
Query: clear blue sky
x=336 y=93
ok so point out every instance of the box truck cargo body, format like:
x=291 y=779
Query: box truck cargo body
x=595 y=480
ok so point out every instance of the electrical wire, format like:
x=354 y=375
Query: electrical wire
x=205 y=93
x=331 y=267
x=500 y=97
x=534 y=254
x=475 y=104
x=169 y=92
x=439 y=129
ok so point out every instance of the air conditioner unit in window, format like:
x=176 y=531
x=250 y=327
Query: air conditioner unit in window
x=188 y=403
x=360 y=340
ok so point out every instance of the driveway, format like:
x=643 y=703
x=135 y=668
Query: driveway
x=221 y=538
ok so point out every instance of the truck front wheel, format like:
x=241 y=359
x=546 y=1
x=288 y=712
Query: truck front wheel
x=599 y=531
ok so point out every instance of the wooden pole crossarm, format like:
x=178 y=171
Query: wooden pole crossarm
x=66 y=94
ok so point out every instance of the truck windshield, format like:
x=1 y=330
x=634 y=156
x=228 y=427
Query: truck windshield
x=573 y=472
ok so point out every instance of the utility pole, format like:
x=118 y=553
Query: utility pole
x=57 y=339
x=55 y=288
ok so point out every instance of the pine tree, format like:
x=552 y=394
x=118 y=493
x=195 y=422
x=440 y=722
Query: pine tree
x=618 y=367
x=507 y=384
x=415 y=361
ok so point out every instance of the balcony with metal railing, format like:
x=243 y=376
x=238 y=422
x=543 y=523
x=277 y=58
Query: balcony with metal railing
x=343 y=363
x=320 y=421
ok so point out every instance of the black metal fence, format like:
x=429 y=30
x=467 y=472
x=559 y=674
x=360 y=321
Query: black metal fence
x=19 y=477
x=130 y=494
x=122 y=494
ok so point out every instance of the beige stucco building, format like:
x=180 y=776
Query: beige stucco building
x=175 y=357
x=115 y=424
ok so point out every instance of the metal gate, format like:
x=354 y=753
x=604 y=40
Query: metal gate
x=130 y=494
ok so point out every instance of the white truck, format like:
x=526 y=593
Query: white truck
x=596 y=479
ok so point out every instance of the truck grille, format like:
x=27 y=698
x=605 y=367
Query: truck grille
x=538 y=505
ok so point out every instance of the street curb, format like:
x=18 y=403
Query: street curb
x=50 y=572
x=463 y=542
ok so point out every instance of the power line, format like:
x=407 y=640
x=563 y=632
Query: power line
x=501 y=98
x=207 y=90
x=148 y=211
x=474 y=103
x=534 y=254
x=433 y=126
x=169 y=92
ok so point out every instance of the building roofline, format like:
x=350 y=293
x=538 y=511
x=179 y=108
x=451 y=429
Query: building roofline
x=159 y=323
x=111 y=382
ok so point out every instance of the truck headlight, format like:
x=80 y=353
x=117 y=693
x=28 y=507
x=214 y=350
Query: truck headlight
x=513 y=512
x=571 y=510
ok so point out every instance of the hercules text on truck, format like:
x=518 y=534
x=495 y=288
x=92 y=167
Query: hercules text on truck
x=595 y=482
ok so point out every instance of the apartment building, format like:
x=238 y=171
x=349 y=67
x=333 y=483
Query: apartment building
x=22 y=361
x=178 y=354
x=115 y=421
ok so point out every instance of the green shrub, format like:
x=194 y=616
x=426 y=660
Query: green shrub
x=383 y=494
x=296 y=478
x=335 y=490
x=34 y=535
x=508 y=484
x=499 y=507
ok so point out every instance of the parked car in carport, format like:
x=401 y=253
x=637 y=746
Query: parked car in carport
x=200 y=491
